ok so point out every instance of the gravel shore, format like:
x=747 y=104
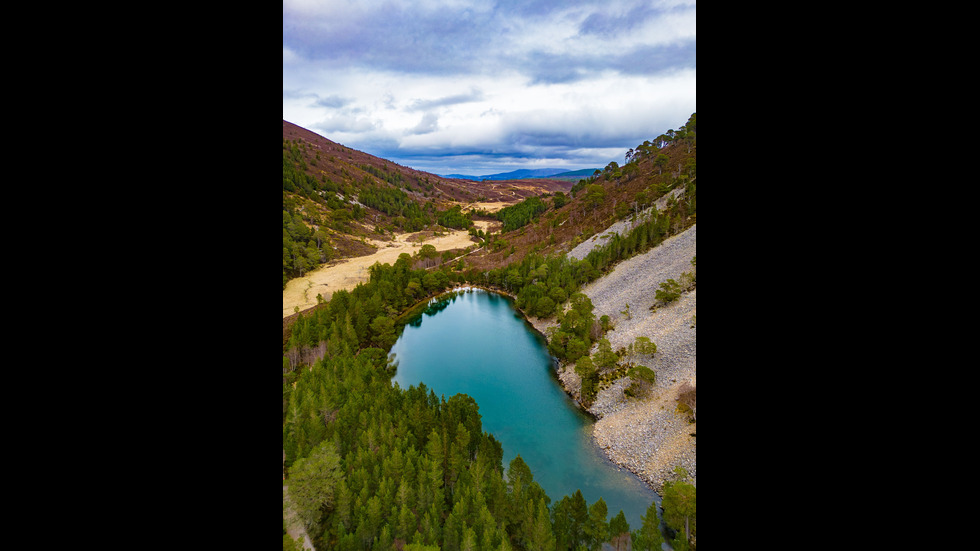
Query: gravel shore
x=647 y=436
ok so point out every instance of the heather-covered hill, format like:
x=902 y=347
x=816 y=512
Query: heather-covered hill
x=339 y=202
x=661 y=171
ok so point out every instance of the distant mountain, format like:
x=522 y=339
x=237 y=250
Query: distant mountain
x=585 y=172
x=524 y=173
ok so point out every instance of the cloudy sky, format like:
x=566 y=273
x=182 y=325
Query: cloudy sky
x=487 y=86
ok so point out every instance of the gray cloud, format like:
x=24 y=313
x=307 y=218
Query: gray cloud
x=604 y=23
x=428 y=124
x=406 y=39
x=333 y=102
x=361 y=72
x=425 y=104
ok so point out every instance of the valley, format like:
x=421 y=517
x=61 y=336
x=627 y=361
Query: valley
x=585 y=264
x=300 y=293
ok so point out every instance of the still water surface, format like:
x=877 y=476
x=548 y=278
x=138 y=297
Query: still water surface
x=481 y=346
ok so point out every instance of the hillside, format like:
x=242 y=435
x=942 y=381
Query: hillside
x=655 y=172
x=648 y=436
x=339 y=202
x=583 y=265
x=511 y=221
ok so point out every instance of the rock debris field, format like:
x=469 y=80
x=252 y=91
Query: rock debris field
x=647 y=436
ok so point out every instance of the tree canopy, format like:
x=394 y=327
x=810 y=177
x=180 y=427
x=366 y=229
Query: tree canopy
x=375 y=466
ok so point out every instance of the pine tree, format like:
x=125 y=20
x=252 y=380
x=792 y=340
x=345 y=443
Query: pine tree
x=542 y=537
x=648 y=537
x=596 y=527
x=680 y=508
x=579 y=516
x=312 y=481
x=619 y=531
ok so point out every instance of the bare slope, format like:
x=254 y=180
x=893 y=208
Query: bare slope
x=647 y=436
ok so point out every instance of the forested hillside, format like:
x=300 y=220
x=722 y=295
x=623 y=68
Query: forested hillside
x=372 y=466
x=555 y=223
x=335 y=199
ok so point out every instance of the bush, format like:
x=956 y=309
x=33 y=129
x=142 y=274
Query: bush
x=669 y=291
x=643 y=379
x=606 y=323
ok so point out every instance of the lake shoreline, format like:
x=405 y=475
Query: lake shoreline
x=643 y=437
x=471 y=340
x=647 y=437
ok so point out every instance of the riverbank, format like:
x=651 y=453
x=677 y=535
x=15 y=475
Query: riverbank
x=647 y=436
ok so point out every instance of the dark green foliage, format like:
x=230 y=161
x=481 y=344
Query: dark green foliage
x=669 y=291
x=454 y=218
x=294 y=176
x=594 y=195
x=605 y=359
x=392 y=177
x=560 y=200
x=619 y=531
x=590 y=379
x=680 y=512
x=648 y=537
x=410 y=466
x=577 y=327
x=311 y=484
x=643 y=379
x=416 y=471
x=407 y=214
x=522 y=213
x=596 y=526
x=302 y=248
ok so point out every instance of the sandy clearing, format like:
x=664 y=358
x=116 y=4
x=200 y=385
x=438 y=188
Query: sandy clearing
x=301 y=292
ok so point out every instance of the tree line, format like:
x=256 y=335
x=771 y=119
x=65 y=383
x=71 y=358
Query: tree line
x=374 y=466
x=521 y=214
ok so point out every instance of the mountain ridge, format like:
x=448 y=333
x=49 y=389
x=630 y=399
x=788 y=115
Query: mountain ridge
x=523 y=173
x=337 y=200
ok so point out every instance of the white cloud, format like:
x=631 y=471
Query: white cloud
x=533 y=85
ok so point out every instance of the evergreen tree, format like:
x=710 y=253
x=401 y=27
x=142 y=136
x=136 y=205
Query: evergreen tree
x=542 y=537
x=680 y=508
x=619 y=531
x=579 y=517
x=562 y=524
x=648 y=537
x=312 y=481
x=596 y=527
x=605 y=359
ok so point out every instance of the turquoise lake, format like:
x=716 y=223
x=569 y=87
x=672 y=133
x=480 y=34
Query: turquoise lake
x=479 y=345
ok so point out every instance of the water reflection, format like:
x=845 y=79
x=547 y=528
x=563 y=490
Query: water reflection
x=475 y=342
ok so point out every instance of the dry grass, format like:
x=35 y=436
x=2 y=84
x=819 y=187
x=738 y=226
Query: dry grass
x=301 y=292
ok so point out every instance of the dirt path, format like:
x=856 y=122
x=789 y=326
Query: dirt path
x=301 y=292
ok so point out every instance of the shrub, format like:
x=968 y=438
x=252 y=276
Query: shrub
x=669 y=291
x=643 y=379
